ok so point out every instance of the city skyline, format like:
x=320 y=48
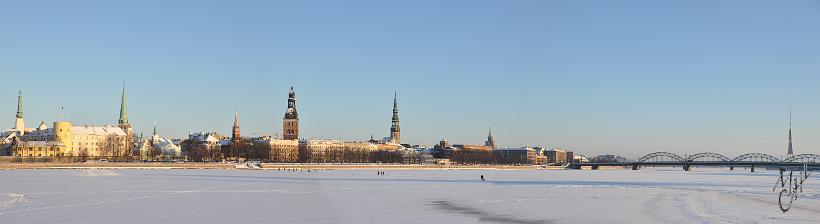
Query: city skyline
x=622 y=81
x=123 y=121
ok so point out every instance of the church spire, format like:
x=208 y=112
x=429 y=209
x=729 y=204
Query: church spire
x=235 y=134
x=155 y=129
x=395 y=107
x=490 y=141
x=123 y=110
x=20 y=104
x=19 y=123
x=235 y=119
x=395 y=130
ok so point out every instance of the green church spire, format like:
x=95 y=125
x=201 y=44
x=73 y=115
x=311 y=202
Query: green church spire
x=20 y=104
x=123 y=109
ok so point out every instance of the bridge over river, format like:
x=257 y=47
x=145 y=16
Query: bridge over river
x=707 y=159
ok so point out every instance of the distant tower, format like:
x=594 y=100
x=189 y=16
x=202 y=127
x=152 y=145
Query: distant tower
x=155 y=130
x=290 y=125
x=236 y=140
x=125 y=126
x=19 y=123
x=62 y=134
x=235 y=133
x=490 y=141
x=123 y=122
x=444 y=144
x=154 y=136
x=395 y=130
x=791 y=149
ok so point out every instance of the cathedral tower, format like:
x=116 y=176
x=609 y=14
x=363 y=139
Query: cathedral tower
x=290 y=125
x=123 y=122
x=235 y=135
x=19 y=123
x=236 y=148
x=125 y=125
x=395 y=130
x=490 y=141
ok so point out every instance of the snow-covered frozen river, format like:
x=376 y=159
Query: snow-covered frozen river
x=400 y=196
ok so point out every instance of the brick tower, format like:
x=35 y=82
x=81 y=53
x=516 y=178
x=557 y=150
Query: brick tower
x=235 y=135
x=290 y=125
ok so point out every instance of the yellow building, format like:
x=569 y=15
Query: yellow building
x=45 y=142
x=38 y=149
x=65 y=139
x=280 y=150
x=74 y=140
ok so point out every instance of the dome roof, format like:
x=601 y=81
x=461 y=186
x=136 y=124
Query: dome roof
x=291 y=114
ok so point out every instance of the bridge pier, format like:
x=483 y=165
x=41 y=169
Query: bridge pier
x=636 y=167
x=731 y=168
x=594 y=167
x=753 y=168
x=687 y=167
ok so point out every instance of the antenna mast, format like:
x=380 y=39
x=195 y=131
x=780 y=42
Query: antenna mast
x=790 y=151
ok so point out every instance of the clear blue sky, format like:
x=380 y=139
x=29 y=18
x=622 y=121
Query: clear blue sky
x=621 y=77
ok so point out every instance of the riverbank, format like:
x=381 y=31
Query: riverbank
x=266 y=166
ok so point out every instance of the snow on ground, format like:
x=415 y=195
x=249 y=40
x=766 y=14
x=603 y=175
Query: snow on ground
x=401 y=196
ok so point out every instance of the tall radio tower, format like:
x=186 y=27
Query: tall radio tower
x=791 y=149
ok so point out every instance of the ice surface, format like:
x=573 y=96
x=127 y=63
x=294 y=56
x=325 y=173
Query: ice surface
x=400 y=196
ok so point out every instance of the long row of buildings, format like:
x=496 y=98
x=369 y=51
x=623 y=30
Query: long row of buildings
x=206 y=146
x=68 y=142
x=64 y=139
x=489 y=154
